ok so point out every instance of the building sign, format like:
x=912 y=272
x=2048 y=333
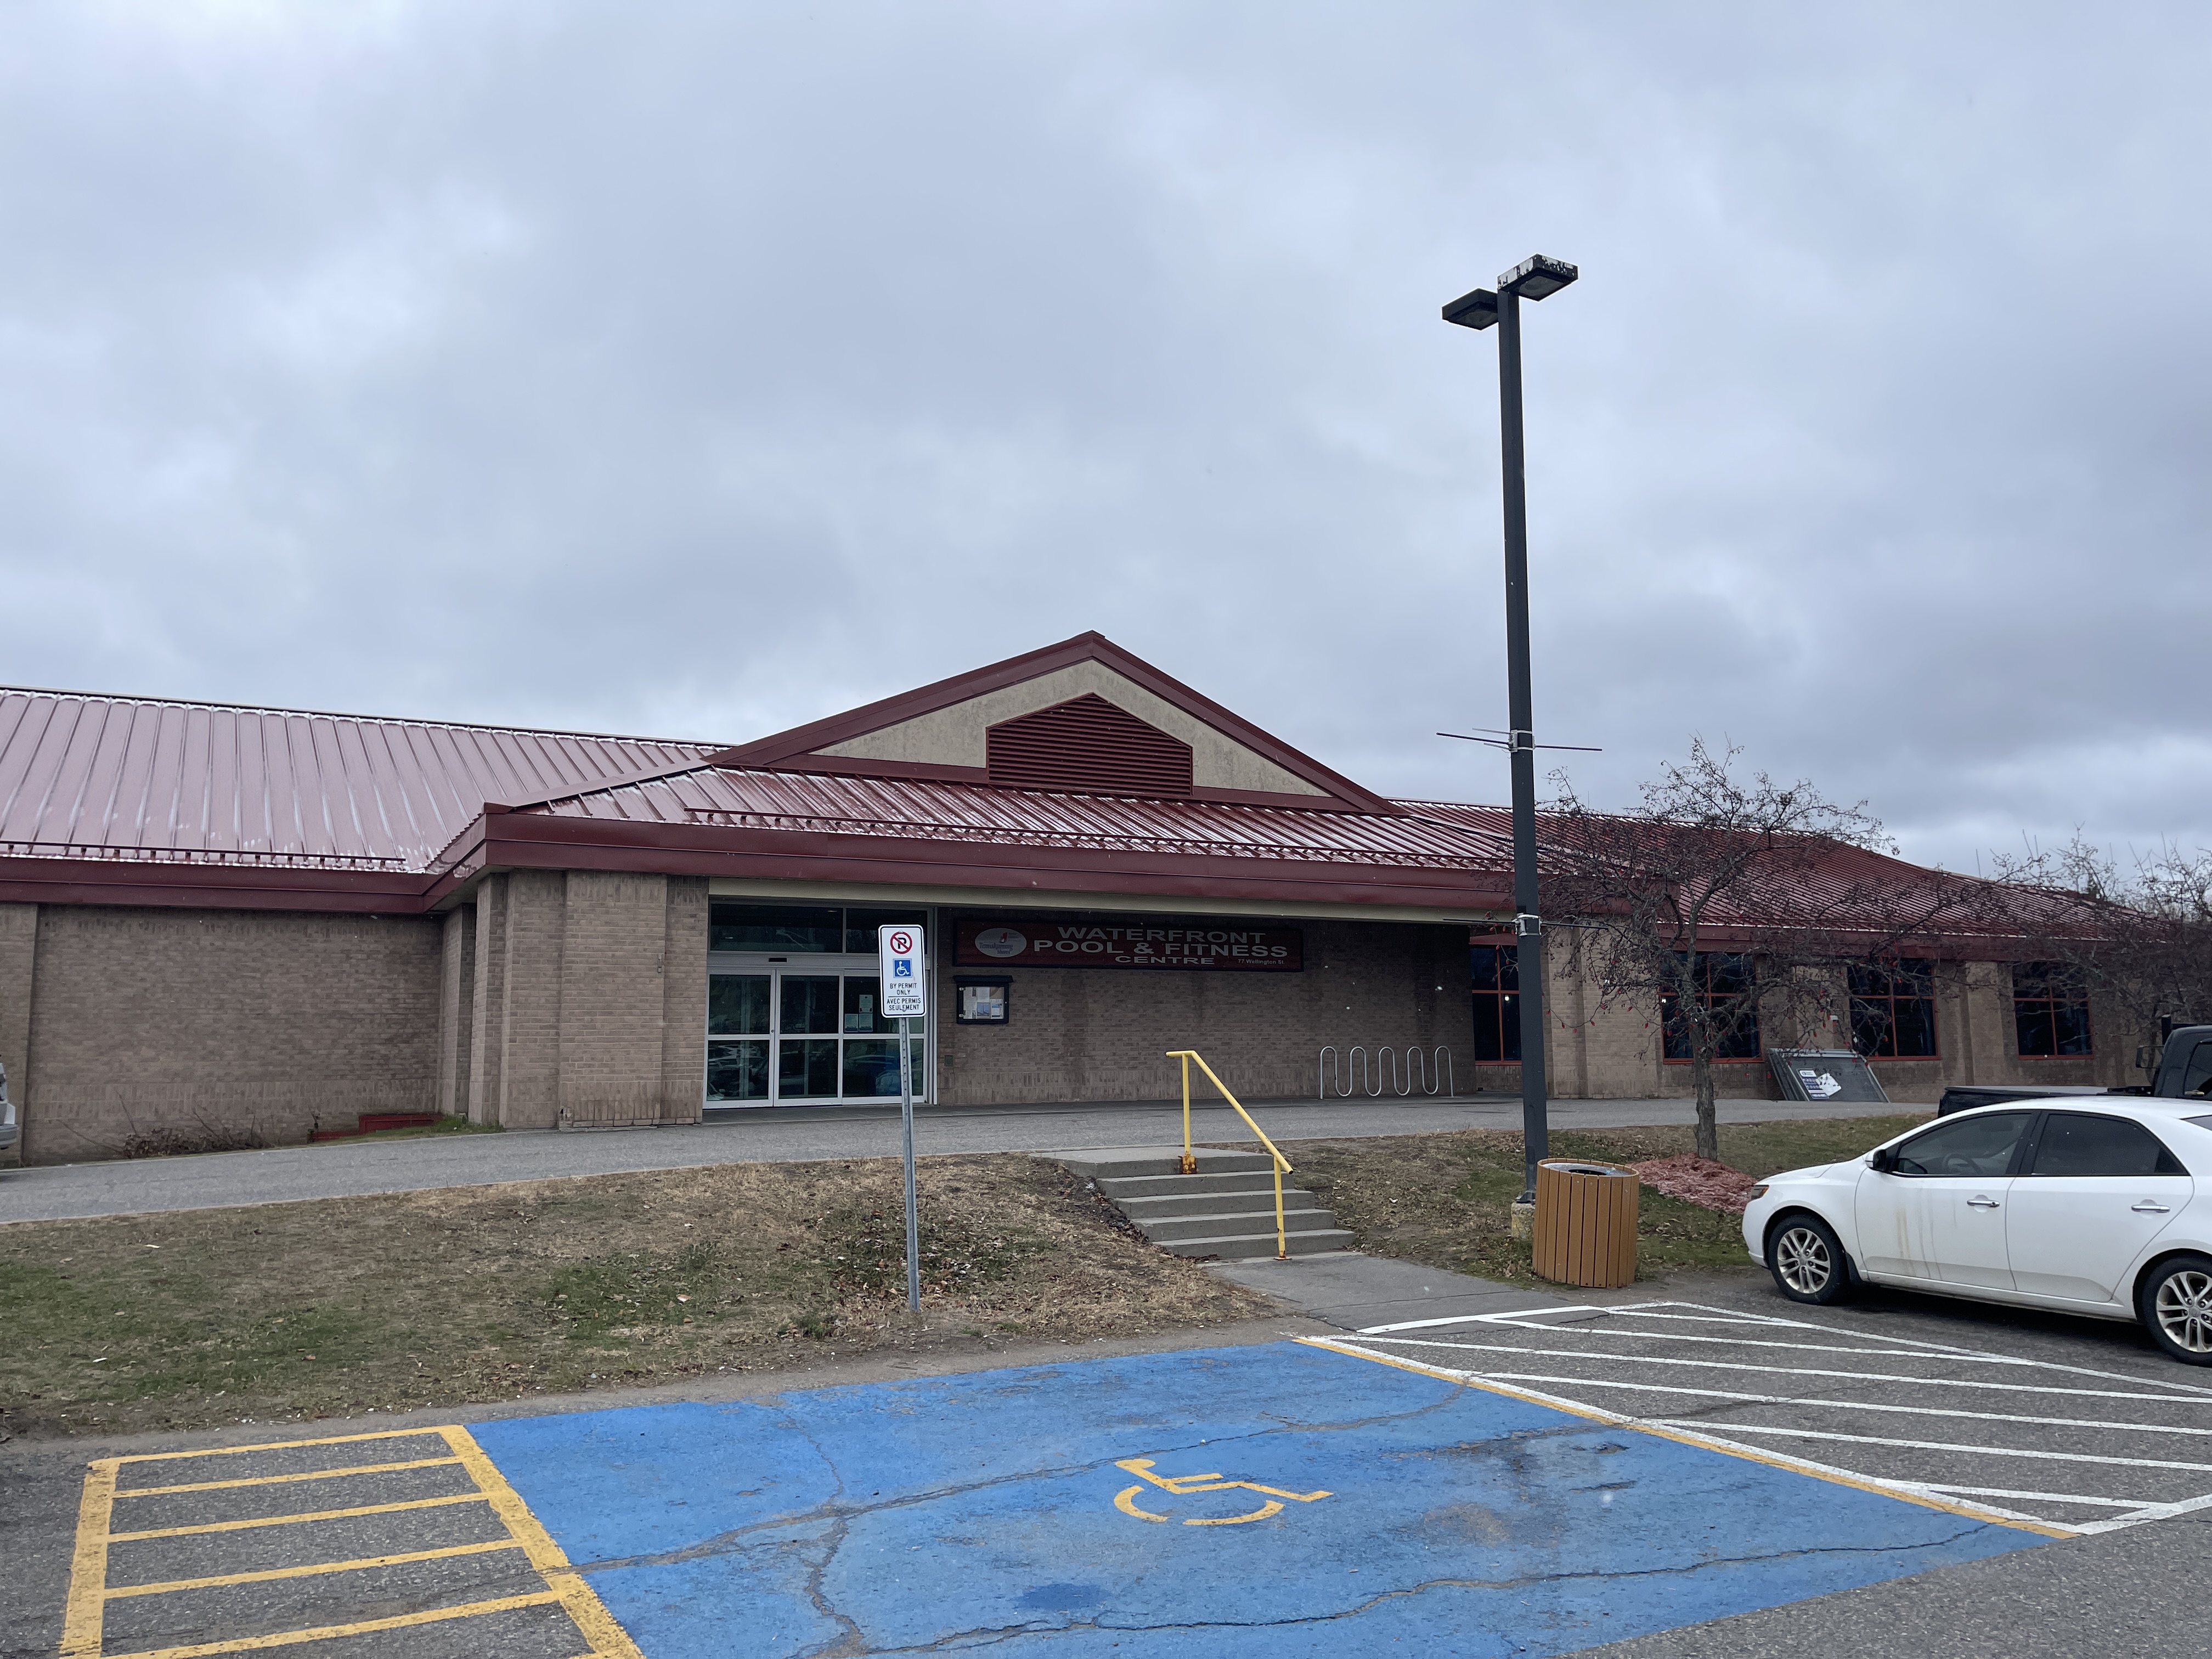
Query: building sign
x=1129 y=942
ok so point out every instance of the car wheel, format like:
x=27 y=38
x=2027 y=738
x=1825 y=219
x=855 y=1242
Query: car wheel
x=2175 y=1305
x=1808 y=1260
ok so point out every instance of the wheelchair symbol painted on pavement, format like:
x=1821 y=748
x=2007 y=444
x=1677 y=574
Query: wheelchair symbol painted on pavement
x=1183 y=1485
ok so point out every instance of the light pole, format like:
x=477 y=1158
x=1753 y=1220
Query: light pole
x=1535 y=278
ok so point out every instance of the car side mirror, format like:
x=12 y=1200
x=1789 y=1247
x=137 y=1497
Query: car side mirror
x=1883 y=1159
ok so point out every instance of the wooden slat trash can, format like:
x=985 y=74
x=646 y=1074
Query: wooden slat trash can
x=1586 y=1223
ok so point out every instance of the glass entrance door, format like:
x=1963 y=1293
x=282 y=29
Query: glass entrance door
x=811 y=1034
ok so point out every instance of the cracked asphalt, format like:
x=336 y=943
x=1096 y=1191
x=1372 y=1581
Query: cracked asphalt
x=1306 y=1503
x=1273 y=1497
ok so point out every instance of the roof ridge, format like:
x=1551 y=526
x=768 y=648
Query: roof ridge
x=701 y=743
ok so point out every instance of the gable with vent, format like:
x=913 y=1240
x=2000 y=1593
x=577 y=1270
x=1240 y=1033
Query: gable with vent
x=1087 y=743
x=1083 y=716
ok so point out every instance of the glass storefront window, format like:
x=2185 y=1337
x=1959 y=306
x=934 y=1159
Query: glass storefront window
x=810 y=1031
x=864 y=1006
x=736 y=1005
x=737 y=1071
x=778 y=927
x=810 y=1004
x=806 y=1069
x=871 y=1067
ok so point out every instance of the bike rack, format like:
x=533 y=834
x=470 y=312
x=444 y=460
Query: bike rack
x=1355 y=1072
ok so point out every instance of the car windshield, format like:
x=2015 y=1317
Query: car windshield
x=1978 y=1145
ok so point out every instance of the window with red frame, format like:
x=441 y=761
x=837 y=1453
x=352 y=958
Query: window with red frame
x=1894 y=1009
x=2050 y=1009
x=1495 y=970
x=1724 y=979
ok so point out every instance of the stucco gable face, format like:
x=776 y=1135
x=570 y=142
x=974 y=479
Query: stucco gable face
x=954 y=736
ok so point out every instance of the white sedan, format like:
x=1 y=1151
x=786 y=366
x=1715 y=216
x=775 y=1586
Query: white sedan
x=2084 y=1206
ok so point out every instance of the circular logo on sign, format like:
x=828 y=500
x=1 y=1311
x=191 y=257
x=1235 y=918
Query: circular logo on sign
x=1001 y=941
x=902 y=944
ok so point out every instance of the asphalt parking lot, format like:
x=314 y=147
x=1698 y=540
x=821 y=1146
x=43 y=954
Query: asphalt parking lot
x=1280 y=1499
x=1701 y=1475
x=2068 y=1447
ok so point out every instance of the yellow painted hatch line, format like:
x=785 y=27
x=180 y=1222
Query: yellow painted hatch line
x=81 y=1624
x=607 y=1638
x=1749 y=1455
x=284 y=1479
x=268 y=1575
x=288 y=1520
x=278 y=1445
x=367 y=1626
x=90 y=1591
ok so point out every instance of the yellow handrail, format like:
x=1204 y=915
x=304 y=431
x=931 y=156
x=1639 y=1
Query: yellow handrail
x=1190 y=1159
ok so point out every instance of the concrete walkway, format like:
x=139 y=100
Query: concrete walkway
x=341 y=1168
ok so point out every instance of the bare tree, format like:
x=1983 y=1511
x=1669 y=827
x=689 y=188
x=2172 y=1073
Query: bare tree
x=1722 y=898
x=2139 y=934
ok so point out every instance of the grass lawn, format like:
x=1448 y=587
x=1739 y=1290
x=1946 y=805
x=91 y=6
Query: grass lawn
x=285 y=1311
x=1446 y=1200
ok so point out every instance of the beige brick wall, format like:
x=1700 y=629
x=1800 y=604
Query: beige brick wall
x=1602 y=1050
x=199 y=1021
x=19 y=952
x=1104 y=1034
x=457 y=965
x=587 y=999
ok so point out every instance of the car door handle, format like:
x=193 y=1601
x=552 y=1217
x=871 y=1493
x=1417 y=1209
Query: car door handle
x=1978 y=1203
x=2150 y=1206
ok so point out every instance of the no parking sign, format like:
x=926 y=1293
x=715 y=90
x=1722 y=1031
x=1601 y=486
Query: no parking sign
x=902 y=961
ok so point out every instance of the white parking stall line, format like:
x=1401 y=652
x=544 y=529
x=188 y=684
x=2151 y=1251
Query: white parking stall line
x=1789 y=1431
x=1903 y=1348
x=1693 y=1436
x=1804 y=1371
x=1852 y=1404
x=2039 y=1496
x=1584 y=1358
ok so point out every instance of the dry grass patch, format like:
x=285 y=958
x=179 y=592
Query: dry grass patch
x=481 y=1293
x=1446 y=1200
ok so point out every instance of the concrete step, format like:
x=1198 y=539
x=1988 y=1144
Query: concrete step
x=1213 y=1202
x=1239 y=1247
x=1118 y=1187
x=1167 y=1229
x=1113 y=1163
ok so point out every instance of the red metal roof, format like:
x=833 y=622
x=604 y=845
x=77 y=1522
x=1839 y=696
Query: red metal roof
x=144 y=779
x=159 y=800
x=984 y=815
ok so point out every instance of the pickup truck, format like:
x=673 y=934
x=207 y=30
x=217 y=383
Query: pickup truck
x=2184 y=1071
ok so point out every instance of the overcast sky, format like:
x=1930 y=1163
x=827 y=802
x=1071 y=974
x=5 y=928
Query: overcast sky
x=698 y=370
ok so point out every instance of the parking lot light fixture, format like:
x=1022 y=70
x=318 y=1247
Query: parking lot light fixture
x=1476 y=310
x=1533 y=278
x=1537 y=277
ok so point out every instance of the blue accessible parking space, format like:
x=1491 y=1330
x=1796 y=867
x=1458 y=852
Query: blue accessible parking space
x=1276 y=1499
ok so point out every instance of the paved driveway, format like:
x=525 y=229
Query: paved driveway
x=2074 y=1448
x=1285 y=1498
x=341 y=1169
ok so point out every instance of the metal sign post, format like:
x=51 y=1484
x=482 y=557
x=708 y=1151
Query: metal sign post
x=903 y=961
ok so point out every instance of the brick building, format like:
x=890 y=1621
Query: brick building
x=219 y=921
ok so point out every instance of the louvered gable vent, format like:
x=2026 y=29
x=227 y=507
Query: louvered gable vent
x=1087 y=744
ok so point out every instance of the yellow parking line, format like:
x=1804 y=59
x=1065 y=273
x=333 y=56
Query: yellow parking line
x=285 y=1479
x=272 y=1445
x=607 y=1637
x=287 y=1519
x=327 y=1633
x=1795 y=1466
x=90 y=1591
x=268 y=1574
x=81 y=1624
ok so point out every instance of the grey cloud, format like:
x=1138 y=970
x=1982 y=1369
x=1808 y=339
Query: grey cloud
x=701 y=370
